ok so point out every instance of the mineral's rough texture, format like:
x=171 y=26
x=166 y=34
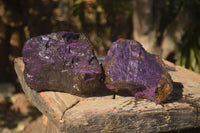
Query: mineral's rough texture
x=128 y=66
x=62 y=61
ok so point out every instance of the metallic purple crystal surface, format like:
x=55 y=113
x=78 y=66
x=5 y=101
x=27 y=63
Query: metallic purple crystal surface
x=62 y=61
x=128 y=66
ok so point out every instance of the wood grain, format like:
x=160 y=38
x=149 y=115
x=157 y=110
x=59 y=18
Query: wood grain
x=101 y=113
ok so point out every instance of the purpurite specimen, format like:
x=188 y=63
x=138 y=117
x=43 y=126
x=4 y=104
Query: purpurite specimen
x=62 y=61
x=128 y=66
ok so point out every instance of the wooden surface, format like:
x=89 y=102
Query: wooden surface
x=101 y=113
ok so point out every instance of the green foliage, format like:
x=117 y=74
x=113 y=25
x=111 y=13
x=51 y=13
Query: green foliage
x=188 y=52
x=110 y=9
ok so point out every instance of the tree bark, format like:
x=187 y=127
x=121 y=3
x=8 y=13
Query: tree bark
x=146 y=19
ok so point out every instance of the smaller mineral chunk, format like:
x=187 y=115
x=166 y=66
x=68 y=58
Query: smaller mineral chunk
x=128 y=66
x=62 y=61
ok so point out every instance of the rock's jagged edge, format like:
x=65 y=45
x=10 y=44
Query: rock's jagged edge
x=65 y=61
x=128 y=66
x=62 y=61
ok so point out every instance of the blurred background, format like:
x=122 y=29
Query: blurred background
x=169 y=28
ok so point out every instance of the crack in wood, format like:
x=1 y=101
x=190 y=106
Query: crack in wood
x=61 y=119
x=197 y=115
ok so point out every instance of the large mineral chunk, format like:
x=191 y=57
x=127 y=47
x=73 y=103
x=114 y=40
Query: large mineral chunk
x=62 y=61
x=128 y=66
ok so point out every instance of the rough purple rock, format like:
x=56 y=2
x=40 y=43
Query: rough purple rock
x=128 y=66
x=62 y=61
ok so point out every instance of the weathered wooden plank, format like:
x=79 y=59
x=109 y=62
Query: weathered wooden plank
x=101 y=113
x=50 y=103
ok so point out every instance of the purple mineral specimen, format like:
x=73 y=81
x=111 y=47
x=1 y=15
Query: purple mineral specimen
x=62 y=61
x=128 y=66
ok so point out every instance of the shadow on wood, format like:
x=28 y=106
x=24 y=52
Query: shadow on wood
x=177 y=92
x=101 y=113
